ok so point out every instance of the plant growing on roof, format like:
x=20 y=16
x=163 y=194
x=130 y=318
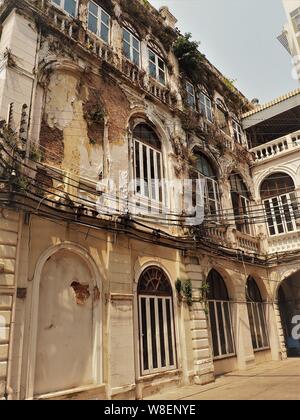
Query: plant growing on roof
x=143 y=14
x=189 y=57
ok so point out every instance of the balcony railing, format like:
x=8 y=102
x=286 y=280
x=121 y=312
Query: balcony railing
x=132 y=72
x=58 y=18
x=247 y=242
x=277 y=147
x=159 y=91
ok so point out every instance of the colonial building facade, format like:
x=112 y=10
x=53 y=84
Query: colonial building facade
x=106 y=109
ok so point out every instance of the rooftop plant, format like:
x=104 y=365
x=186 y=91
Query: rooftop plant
x=190 y=59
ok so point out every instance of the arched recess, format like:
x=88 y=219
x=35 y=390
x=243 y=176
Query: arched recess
x=288 y=298
x=65 y=343
x=220 y=317
x=257 y=316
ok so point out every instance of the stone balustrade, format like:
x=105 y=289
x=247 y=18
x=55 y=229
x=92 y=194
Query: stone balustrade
x=247 y=242
x=274 y=148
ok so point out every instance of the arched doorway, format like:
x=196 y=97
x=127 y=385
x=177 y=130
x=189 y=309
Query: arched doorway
x=156 y=322
x=65 y=347
x=289 y=307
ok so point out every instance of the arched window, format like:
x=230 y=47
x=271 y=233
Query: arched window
x=278 y=195
x=241 y=204
x=220 y=316
x=156 y=64
x=131 y=44
x=148 y=164
x=222 y=116
x=156 y=322
x=206 y=173
x=257 y=317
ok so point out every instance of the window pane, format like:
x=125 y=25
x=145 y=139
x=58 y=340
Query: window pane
x=136 y=57
x=93 y=8
x=153 y=334
x=144 y=334
x=126 y=50
x=221 y=328
x=170 y=334
x=152 y=69
x=151 y=56
x=161 y=333
x=70 y=7
x=214 y=331
x=228 y=327
x=162 y=77
x=252 y=329
x=257 y=324
x=262 y=311
x=135 y=43
x=137 y=167
x=104 y=33
x=145 y=177
x=92 y=23
x=161 y=64
x=152 y=174
x=105 y=18
x=126 y=36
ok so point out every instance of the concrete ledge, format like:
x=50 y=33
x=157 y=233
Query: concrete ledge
x=83 y=393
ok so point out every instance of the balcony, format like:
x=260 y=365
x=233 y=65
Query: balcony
x=247 y=243
x=60 y=20
x=159 y=91
x=281 y=146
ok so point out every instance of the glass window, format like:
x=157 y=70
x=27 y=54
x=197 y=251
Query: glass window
x=257 y=317
x=220 y=317
x=211 y=195
x=157 y=67
x=148 y=164
x=237 y=132
x=156 y=322
x=131 y=47
x=280 y=203
x=191 y=99
x=69 y=6
x=241 y=205
x=222 y=117
x=99 y=22
x=205 y=107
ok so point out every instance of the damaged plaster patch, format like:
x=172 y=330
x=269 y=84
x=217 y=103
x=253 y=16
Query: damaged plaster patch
x=82 y=292
x=52 y=140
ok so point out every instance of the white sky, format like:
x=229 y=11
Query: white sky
x=240 y=38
